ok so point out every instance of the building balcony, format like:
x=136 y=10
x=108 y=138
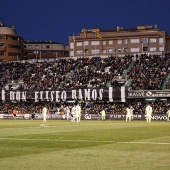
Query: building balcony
x=2 y=49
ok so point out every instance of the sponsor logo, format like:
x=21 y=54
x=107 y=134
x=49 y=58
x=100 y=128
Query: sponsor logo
x=157 y=117
x=136 y=94
x=119 y=116
x=157 y=94
x=87 y=116
x=149 y=93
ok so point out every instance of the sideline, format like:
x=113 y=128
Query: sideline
x=95 y=141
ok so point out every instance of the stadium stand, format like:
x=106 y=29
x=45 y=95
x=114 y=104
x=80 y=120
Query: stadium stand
x=139 y=72
x=149 y=73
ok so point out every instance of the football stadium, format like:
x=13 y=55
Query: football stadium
x=101 y=103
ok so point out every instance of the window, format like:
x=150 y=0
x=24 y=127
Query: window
x=29 y=46
x=104 y=42
x=145 y=49
x=2 y=44
x=110 y=42
x=95 y=51
x=144 y=40
x=125 y=41
x=104 y=50
x=86 y=51
x=134 y=40
x=36 y=46
x=79 y=43
x=2 y=37
x=47 y=46
x=13 y=54
x=161 y=40
x=111 y=50
x=152 y=40
x=71 y=45
x=153 y=49
x=161 y=48
x=119 y=41
x=71 y=53
x=134 y=49
x=119 y=50
x=79 y=52
x=125 y=49
x=86 y=42
x=95 y=42
x=35 y=52
x=1 y=53
x=14 y=46
x=14 y=38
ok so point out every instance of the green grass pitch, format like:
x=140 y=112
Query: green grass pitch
x=89 y=145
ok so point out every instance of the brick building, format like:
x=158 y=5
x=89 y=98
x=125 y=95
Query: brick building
x=119 y=41
x=44 y=49
x=13 y=47
x=11 y=44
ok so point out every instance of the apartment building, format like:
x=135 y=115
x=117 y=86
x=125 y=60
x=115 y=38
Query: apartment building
x=44 y=49
x=11 y=44
x=119 y=41
x=13 y=47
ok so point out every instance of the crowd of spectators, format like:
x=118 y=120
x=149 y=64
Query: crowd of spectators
x=66 y=73
x=79 y=73
x=149 y=72
x=11 y=72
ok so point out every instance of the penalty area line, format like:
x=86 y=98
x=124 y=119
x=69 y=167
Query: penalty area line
x=93 y=141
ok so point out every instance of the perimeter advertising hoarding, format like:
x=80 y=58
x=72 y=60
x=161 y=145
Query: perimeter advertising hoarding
x=83 y=117
x=148 y=94
x=157 y=93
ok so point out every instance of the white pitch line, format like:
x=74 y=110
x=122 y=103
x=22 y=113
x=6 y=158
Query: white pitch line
x=44 y=125
x=95 y=141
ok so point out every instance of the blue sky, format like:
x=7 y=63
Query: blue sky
x=58 y=19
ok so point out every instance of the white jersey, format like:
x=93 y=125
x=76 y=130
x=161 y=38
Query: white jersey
x=78 y=110
x=68 y=111
x=44 y=111
x=44 y=114
x=128 y=113
x=168 y=113
x=148 y=111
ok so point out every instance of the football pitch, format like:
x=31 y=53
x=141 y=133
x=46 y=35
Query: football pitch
x=89 y=145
